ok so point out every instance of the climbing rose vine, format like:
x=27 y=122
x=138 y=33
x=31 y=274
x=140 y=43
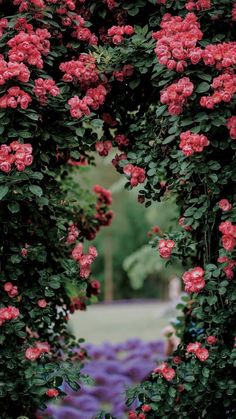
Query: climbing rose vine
x=156 y=80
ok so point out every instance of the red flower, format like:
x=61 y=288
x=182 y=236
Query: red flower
x=52 y=392
x=146 y=408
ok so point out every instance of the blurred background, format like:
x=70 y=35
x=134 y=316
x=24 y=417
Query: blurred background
x=135 y=293
x=126 y=329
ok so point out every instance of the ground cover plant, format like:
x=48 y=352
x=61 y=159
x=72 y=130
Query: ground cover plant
x=113 y=367
x=155 y=79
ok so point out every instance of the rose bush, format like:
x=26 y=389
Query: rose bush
x=155 y=79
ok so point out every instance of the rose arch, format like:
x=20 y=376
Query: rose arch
x=155 y=79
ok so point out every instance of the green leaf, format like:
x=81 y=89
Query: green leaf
x=14 y=207
x=3 y=191
x=36 y=190
x=160 y=110
x=203 y=87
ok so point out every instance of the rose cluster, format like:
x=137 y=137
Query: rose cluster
x=34 y=352
x=83 y=70
x=94 y=287
x=44 y=87
x=228 y=269
x=201 y=353
x=117 y=33
x=80 y=107
x=15 y=97
x=167 y=372
x=73 y=234
x=121 y=140
x=8 y=313
x=77 y=304
x=126 y=71
x=192 y=143
x=103 y=147
x=231 y=125
x=11 y=289
x=136 y=174
x=165 y=248
x=84 y=260
x=97 y=94
x=198 y=4
x=177 y=40
x=194 y=280
x=29 y=47
x=220 y=55
x=175 y=95
x=104 y=200
x=24 y=5
x=111 y=4
x=10 y=70
x=95 y=97
x=16 y=153
x=224 y=89
x=82 y=33
x=116 y=161
x=229 y=235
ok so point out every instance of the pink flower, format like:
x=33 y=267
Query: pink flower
x=8 y=313
x=73 y=234
x=231 y=122
x=31 y=354
x=175 y=95
x=211 y=340
x=192 y=143
x=177 y=40
x=103 y=147
x=42 y=303
x=225 y=205
x=194 y=280
x=192 y=347
x=167 y=372
x=227 y=228
x=228 y=242
x=202 y=354
x=77 y=252
x=165 y=248
x=136 y=174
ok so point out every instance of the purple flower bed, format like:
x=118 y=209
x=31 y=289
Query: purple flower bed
x=113 y=367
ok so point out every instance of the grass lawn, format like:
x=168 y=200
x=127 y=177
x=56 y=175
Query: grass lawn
x=120 y=321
